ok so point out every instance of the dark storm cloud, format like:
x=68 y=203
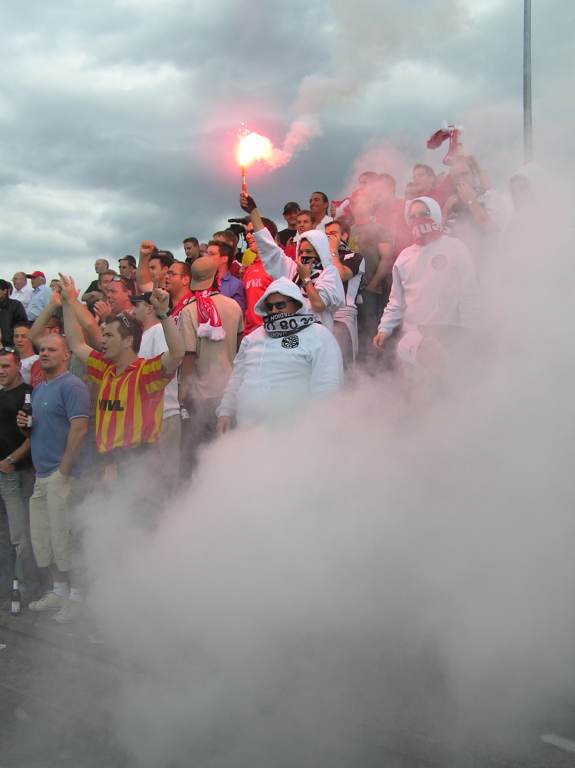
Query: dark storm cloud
x=117 y=120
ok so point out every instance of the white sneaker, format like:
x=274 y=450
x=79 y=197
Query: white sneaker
x=72 y=609
x=48 y=602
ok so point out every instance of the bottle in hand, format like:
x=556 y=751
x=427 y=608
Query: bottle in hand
x=15 y=599
x=27 y=408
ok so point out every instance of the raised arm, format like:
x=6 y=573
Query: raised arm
x=143 y=274
x=72 y=328
x=171 y=359
x=276 y=263
x=40 y=322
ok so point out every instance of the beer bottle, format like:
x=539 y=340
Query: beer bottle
x=15 y=600
x=27 y=408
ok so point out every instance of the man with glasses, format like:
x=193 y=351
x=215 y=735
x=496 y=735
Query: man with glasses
x=434 y=289
x=177 y=280
x=284 y=364
x=313 y=269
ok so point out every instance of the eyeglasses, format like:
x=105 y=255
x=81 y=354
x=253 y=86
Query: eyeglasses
x=307 y=259
x=279 y=305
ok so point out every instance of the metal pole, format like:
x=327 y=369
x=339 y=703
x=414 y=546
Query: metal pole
x=527 y=111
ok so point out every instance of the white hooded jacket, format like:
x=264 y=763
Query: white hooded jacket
x=433 y=284
x=328 y=283
x=272 y=376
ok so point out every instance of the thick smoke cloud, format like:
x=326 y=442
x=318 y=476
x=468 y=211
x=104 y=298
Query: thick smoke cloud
x=379 y=567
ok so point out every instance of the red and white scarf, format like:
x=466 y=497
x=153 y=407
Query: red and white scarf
x=177 y=308
x=209 y=320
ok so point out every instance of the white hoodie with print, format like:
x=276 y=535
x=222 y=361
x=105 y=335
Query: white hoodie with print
x=328 y=283
x=274 y=376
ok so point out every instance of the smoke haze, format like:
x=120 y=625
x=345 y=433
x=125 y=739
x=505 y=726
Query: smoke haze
x=379 y=566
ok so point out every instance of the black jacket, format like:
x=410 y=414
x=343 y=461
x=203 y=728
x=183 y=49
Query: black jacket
x=11 y=312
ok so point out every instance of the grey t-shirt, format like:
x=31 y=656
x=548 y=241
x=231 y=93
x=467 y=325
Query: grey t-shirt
x=54 y=404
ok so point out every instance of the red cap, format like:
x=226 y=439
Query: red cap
x=36 y=274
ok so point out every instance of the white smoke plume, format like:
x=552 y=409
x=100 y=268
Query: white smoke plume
x=376 y=571
x=370 y=39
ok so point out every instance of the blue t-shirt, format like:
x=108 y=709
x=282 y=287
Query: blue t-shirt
x=54 y=404
x=233 y=288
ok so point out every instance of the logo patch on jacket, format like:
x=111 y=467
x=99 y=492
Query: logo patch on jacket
x=290 y=342
x=439 y=261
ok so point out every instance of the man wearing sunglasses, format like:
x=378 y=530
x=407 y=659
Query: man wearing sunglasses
x=313 y=269
x=288 y=361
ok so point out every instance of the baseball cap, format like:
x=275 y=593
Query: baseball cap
x=36 y=274
x=288 y=207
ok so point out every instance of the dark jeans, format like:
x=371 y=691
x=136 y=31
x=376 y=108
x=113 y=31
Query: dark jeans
x=15 y=491
x=369 y=315
x=198 y=430
x=343 y=338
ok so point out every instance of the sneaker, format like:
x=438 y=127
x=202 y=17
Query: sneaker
x=49 y=602
x=71 y=610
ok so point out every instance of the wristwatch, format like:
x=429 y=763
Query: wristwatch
x=162 y=315
x=305 y=281
x=9 y=460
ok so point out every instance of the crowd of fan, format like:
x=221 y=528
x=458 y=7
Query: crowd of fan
x=154 y=359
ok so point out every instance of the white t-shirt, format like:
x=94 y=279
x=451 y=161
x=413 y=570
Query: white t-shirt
x=154 y=344
x=26 y=367
x=23 y=295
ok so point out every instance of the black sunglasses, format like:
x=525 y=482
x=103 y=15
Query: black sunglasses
x=271 y=305
x=7 y=350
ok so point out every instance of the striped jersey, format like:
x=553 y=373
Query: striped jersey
x=130 y=404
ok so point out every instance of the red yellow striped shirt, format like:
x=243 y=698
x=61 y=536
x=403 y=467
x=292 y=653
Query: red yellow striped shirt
x=130 y=404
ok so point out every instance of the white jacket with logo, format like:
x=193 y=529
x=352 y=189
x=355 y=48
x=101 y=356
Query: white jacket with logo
x=274 y=376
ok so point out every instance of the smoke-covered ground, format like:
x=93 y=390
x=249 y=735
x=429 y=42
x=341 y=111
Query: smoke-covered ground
x=378 y=564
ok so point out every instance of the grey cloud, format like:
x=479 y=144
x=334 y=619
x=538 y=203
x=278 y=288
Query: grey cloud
x=131 y=108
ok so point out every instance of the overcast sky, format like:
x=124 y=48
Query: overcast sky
x=118 y=119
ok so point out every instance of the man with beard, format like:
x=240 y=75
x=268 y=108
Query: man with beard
x=434 y=288
x=287 y=362
x=313 y=269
